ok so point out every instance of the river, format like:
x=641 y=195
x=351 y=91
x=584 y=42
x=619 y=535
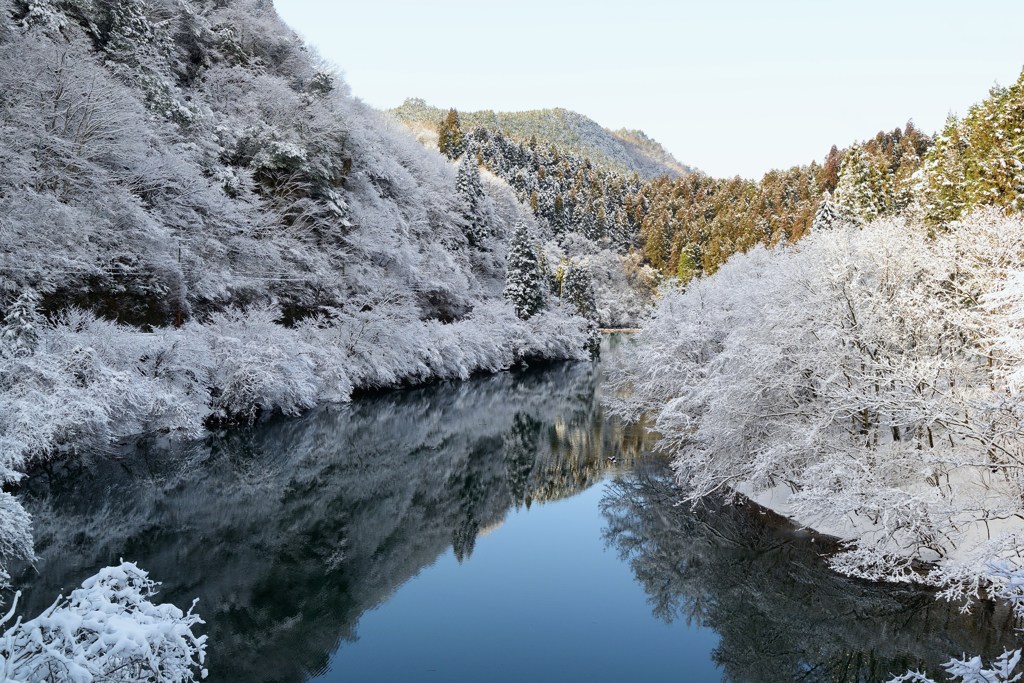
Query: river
x=498 y=529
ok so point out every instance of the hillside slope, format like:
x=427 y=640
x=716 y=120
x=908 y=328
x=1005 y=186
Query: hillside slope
x=199 y=224
x=623 y=151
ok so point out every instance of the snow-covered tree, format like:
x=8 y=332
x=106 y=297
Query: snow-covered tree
x=827 y=216
x=471 y=193
x=577 y=288
x=866 y=370
x=21 y=326
x=524 y=276
x=863 y=189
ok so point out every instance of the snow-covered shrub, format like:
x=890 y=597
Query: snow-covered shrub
x=973 y=670
x=107 y=630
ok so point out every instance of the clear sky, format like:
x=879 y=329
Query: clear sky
x=730 y=86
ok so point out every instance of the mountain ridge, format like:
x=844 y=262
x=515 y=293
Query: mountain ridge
x=624 y=150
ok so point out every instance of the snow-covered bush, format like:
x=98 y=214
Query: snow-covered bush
x=107 y=630
x=973 y=670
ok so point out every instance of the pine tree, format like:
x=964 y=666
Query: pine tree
x=450 y=140
x=471 y=192
x=19 y=332
x=863 y=189
x=827 y=216
x=578 y=290
x=524 y=277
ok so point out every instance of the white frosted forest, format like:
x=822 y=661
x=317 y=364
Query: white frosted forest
x=865 y=381
x=199 y=225
x=202 y=227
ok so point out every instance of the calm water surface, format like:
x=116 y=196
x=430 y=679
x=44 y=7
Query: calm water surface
x=499 y=529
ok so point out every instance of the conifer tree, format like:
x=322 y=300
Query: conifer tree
x=19 y=332
x=130 y=35
x=524 y=277
x=827 y=216
x=578 y=290
x=450 y=140
x=863 y=188
x=471 y=192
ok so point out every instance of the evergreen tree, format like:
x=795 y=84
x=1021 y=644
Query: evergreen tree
x=19 y=332
x=862 y=188
x=519 y=448
x=143 y=53
x=471 y=192
x=450 y=140
x=827 y=216
x=524 y=277
x=578 y=290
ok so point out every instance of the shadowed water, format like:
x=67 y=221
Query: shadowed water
x=499 y=529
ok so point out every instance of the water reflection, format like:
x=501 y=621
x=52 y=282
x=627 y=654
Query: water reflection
x=763 y=587
x=290 y=531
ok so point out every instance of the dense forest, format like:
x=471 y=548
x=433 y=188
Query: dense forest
x=680 y=224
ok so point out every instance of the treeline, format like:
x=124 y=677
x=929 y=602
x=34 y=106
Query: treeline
x=690 y=225
x=977 y=160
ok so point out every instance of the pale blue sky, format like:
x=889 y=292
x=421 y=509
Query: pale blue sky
x=732 y=87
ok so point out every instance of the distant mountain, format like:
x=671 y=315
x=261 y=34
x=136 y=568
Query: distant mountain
x=624 y=151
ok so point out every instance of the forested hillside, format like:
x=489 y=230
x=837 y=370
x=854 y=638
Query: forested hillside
x=199 y=225
x=622 y=151
x=634 y=231
x=867 y=378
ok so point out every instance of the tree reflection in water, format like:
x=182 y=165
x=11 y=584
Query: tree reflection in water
x=290 y=531
x=781 y=613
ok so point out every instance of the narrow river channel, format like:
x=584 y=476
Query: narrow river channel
x=499 y=529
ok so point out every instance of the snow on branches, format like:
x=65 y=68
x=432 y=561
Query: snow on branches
x=107 y=630
x=972 y=670
x=863 y=376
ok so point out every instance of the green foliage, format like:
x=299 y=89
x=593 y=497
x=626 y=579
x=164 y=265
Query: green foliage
x=450 y=141
x=977 y=160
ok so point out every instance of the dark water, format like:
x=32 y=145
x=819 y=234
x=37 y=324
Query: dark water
x=493 y=530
